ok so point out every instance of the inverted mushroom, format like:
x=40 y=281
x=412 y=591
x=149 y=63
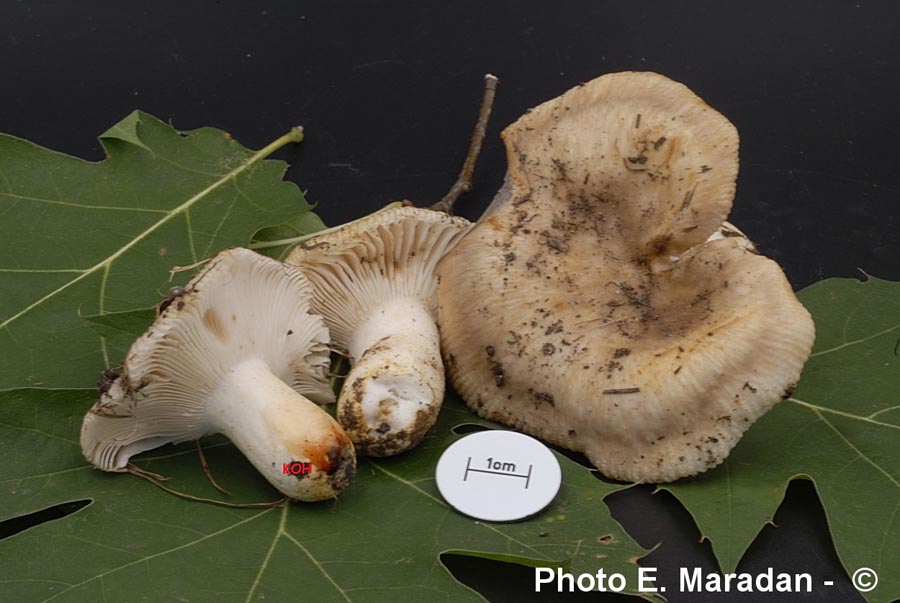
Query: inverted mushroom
x=603 y=304
x=237 y=352
x=374 y=283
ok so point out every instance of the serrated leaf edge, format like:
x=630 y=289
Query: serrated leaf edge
x=106 y=263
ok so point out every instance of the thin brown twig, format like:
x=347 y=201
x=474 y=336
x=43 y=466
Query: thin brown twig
x=463 y=182
x=207 y=472
x=133 y=470
x=342 y=362
x=339 y=351
x=156 y=476
x=623 y=390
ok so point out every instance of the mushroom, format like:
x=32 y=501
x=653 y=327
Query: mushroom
x=603 y=304
x=373 y=281
x=237 y=352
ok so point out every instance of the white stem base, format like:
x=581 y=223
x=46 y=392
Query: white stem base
x=273 y=426
x=394 y=391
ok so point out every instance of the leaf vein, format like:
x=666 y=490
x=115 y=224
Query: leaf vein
x=40 y=475
x=318 y=565
x=5 y=181
x=215 y=233
x=40 y=271
x=146 y=233
x=49 y=435
x=104 y=546
x=855 y=341
x=190 y=235
x=853 y=447
x=265 y=563
x=34 y=580
x=81 y=206
x=241 y=192
x=167 y=525
x=883 y=410
x=509 y=538
x=187 y=169
x=817 y=408
x=888 y=530
x=159 y=554
x=852 y=313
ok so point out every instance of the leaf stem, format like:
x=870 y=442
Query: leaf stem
x=295 y=135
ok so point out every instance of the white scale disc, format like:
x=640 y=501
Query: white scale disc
x=498 y=475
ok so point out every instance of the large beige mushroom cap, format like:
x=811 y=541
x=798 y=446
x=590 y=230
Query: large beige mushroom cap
x=588 y=306
x=374 y=282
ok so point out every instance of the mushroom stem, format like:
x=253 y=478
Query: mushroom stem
x=295 y=444
x=394 y=391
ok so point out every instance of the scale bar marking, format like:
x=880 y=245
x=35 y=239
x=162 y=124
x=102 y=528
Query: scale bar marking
x=469 y=468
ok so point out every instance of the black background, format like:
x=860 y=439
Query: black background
x=388 y=95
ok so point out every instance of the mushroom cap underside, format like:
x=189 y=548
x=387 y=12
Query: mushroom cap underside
x=387 y=255
x=241 y=306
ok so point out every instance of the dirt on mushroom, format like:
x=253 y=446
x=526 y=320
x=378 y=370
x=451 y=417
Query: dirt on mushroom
x=374 y=283
x=606 y=249
x=195 y=372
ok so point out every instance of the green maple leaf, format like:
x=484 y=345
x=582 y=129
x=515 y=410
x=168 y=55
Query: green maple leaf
x=86 y=245
x=106 y=235
x=840 y=429
x=83 y=238
x=380 y=541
